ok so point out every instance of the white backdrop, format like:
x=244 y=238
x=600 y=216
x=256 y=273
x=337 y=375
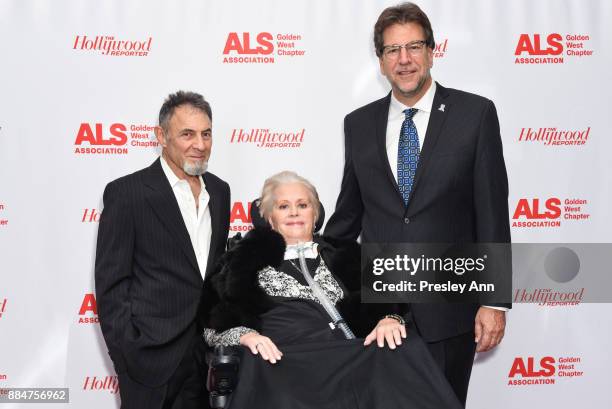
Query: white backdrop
x=62 y=93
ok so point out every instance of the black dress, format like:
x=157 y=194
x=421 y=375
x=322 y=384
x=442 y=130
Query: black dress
x=323 y=370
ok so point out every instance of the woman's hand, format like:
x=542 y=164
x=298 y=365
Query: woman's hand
x=388 y=329
x=258 y=344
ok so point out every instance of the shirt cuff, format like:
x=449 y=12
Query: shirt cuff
x=504 y=309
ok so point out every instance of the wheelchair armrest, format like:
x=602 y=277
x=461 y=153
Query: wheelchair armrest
x=223 y=365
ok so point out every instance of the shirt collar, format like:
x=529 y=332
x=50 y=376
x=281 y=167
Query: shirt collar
x=171 y=176
x=396 y=108
x=310 y=250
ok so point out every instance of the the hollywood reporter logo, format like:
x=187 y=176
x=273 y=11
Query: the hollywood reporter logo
x=88 y=313
x=555 y=136
x=268 y=138
x=109 y=383
x=549 y=212
x=91 y=215
x=111 y=46
x=2 y=306
x=440 y=49
x=545 y=371
x=550 y=48
x=113 y=139
x=260 y=48
x=561 y=265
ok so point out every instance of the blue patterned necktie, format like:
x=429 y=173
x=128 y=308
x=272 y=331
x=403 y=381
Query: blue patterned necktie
x=407 y=155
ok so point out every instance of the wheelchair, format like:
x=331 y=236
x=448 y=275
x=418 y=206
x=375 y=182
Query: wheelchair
x=224 y=361
x=223 y=366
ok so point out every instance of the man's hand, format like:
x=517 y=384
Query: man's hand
x=387 y=329
x=489 y=328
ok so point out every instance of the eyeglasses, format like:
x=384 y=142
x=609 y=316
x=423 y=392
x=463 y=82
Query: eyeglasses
x=413 y=48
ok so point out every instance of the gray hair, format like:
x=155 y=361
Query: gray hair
x=268 y=197
x=179 y=98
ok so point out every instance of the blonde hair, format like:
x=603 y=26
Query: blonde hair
x=268 y=197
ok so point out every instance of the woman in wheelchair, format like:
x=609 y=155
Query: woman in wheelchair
x=292 y=357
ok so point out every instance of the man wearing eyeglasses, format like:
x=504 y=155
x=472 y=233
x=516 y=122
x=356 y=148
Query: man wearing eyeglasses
x=425 y=164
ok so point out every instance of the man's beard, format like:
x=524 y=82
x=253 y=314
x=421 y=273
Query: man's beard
x=417 y=88
x=195 y=169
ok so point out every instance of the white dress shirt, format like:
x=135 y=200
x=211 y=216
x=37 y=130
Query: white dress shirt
x=197 y=219
x=396 y=119
x=421 y=121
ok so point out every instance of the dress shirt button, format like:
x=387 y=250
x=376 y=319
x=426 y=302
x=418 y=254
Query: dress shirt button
x=406 y=220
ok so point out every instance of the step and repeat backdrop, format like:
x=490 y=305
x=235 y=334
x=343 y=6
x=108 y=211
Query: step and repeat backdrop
x=82 y=82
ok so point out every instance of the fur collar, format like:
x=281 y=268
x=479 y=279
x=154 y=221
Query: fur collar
x=235 y=298
x=260 y=248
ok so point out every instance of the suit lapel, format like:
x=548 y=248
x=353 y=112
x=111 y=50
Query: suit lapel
x=381 y=120
x=434 y=128
x=214 y=204
x=161 y=198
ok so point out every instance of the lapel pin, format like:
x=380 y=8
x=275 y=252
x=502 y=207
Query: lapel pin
x=441 y=109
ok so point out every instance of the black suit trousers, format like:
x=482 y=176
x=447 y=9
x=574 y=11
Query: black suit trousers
x=455 y=357
x=186 y=388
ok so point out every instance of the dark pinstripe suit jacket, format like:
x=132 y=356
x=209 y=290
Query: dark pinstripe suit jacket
x=460 y=192
x=148 y=284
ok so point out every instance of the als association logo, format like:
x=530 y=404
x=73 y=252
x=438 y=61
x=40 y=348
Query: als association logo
x=544 y=371
x=555 y=136
x=108 y=383
x=2 y=306
x=240 y=217
x=88 y=313
x=261 y=48
x=266 y=138
x=113 y=139
x=3 y=221
x=440 y=49
x=553 y=48
x=113 y=47
x=549 y=213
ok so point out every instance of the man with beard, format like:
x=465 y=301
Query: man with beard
x=161 y=231
x=425 y=164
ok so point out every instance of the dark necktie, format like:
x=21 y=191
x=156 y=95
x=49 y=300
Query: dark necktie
x=407 y=155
